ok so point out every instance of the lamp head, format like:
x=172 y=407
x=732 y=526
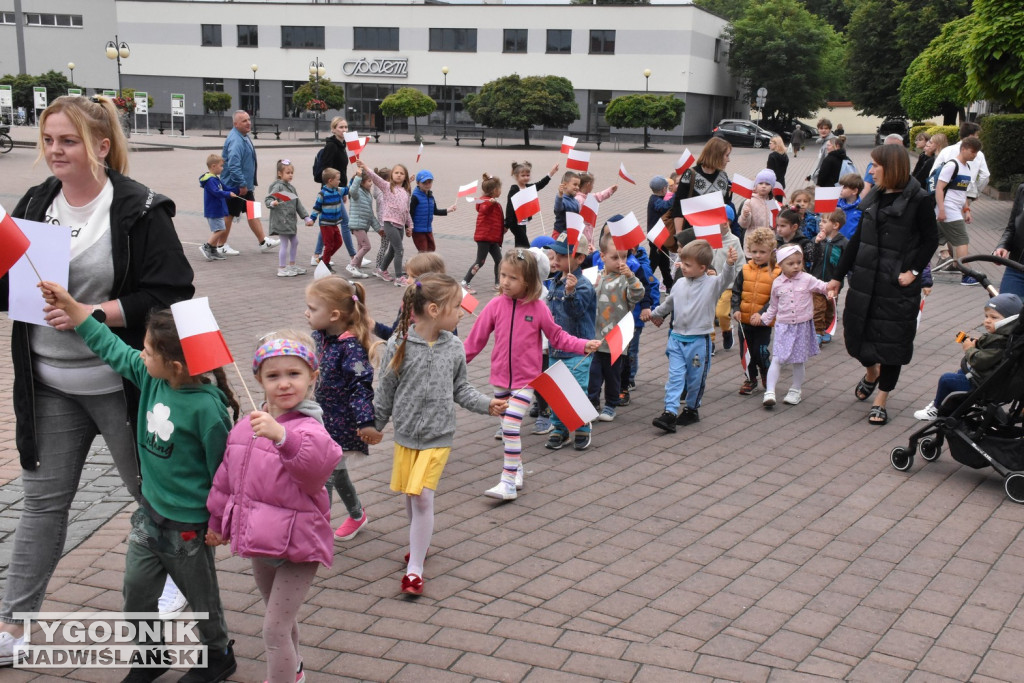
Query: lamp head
x=444 y=70
x=124 y=51
x=647 y=73
x=71 y=65
x=255 y=68
x=111 y=50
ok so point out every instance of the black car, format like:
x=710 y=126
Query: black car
x=742 y=133
x=893 y=125
x=787 y=126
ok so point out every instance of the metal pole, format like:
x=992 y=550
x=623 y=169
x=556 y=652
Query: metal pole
x=444 y=110
x=647 y=89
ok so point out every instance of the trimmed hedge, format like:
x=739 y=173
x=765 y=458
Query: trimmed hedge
x=951 y=132
x=1002 y=138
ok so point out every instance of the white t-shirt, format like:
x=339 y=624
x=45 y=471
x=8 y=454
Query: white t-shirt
x=956 y=189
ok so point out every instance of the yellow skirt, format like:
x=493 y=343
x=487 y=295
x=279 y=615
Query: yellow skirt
x=413 y=470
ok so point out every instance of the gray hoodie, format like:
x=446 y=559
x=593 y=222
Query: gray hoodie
x=422 y=395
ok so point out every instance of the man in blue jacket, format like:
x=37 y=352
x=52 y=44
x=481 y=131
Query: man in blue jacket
x=239 y=176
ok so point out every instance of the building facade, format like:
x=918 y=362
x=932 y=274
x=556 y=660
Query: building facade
x=374 y=49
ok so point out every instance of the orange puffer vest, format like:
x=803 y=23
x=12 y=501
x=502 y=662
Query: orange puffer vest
x=757 y=288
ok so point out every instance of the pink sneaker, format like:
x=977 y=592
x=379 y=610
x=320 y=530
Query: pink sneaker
x=386 y=276
x=350 y=528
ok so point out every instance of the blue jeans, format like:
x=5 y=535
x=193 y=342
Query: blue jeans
x=65 y=428
x=952 y=381
x=689 y=363
x=581 y=371
x=1012 y=282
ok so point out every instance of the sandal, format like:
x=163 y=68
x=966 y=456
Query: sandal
x=878 y=416
x=864 y=389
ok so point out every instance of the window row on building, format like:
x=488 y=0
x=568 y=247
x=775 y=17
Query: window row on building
x=559 y=41
x=44 y=19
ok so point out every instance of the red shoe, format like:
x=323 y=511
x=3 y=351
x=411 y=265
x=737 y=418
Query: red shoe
x=412 y=585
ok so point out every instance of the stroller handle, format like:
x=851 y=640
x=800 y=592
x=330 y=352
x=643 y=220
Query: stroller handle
x=980 y=276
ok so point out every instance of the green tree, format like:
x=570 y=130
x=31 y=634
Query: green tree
x=934 y=83
x=636 y=111
x=835 y=12
x=774 y=41
x=21 y=89
x=996 y=68
x=883 y=38
x=522 y=103
x=407 y=102
x=610 y=2
x=218 y=103
x=730 y=9
x=333 y=95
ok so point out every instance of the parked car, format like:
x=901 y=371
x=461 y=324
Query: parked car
x=742 y=133
x=786 y=127
x=893 y=125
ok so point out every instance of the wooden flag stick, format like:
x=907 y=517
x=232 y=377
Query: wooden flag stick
x=34 y=269
x=244 y=386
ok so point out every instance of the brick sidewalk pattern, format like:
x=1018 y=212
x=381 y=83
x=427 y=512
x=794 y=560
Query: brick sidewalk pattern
x=752 y=546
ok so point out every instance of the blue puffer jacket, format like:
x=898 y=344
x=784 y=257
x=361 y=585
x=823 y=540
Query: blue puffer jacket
x=423 y=208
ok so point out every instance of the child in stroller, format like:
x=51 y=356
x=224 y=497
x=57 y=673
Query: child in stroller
x=981 y=355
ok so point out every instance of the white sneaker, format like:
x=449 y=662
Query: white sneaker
x=502 y=491
x=366 y=263
x=8 y=644
x=314 y=260
x=227 y=250
x=355 y=272
x=929 y=412
x=284 y=272
x=499 y=435
x=792 y=397
x=266 y=246
x=272 y=241
x=297 y=270
x=769 y=399
x=519 y=478
x=172 y=600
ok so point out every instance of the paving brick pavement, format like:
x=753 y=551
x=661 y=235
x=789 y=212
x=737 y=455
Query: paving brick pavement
x=754 y=545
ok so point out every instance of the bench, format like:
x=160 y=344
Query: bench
x=588 y=137
x=468 y=133
x=266 y=128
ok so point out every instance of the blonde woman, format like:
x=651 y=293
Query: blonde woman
x=778 y=160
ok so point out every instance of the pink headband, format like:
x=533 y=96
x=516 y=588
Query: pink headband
x=282 y=347
x=783 y=253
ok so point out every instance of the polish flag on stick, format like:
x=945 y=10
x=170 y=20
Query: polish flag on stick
x=578 y=161
x=283 y=196
x=469 y=302
x=835 y=316
x=745 y=356
x=826 y=199
x=685 y=161
x=778 y=191
x=618 y=337
x=15 y=243
x=565 y=396
x=201 y=340
x=354 y=144
x=658 y=234
x=419 y=153
x=253 y=210
x=704 y=210
x=742 y=186
x=775 y=209
x=568 y=144
x=624 y=174
x=467 y=190
x=712 y=234
x=573 y=229
x=589 y=209
x=526 y=203
x=627 y=233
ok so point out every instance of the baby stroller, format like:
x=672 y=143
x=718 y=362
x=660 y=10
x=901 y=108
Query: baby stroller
x=983 y=427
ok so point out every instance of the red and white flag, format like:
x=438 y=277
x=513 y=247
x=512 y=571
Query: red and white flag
x=253 y=210
x=658 y=234
x=624 y=174
x=201 y=340
x=565 y=396
x=712 y=234
x=354 y=144
x=469 y=302
x=568 y=143
x=419 y=153
x=468 y=190
x=685 y=161
x=774 y=208
x=745 y=356
x=618 y=337
x=573 y=229
x=526 y=203
x=578 y=161
x=704 y=210
x=920 y=312
x=14 y=242
x=283 y=196
x=742 y=186
x=627 y=233
x=826 y=199
x=831 y=329
x=779 y=192
x=589 y=209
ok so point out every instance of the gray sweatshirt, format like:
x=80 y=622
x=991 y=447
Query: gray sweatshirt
x=692 y=301
x=421 y=397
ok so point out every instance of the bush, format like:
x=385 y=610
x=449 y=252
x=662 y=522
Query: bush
x=951 y=132
x=1002 y=137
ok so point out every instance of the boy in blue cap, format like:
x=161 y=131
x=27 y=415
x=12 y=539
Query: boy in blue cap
x=423 y=208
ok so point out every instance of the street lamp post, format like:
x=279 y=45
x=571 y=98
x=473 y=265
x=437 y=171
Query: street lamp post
x=444 y=110
x=252 y=90
x=118 y=49
x=316 y=69
x=647 y=89
x=71 y=68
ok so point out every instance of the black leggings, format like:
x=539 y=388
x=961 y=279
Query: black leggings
x=758 y=338
x=519 y=232
x=482 y=250
x=660 y=260
x=888 y=375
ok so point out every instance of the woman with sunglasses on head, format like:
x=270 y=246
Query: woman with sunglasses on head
x=126 y=260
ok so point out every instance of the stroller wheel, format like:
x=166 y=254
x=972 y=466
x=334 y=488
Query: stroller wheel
x=930 y=450
x=1014 y=485
x=902 y=459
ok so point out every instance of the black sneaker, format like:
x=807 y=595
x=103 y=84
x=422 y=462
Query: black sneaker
x=666 y=421
x=139 y=675
x=712 y=349
x=219 y=665
x=624 y=397
x=726 y=340
x=535 y=410
x=688 y=416
x=556 y=440
x=582 y=441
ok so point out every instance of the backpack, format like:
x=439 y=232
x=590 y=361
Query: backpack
x=848 y=167
x=933 y=179
x=318 y=166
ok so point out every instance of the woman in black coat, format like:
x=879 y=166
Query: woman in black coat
x=778 y=160
x=832 y=165
x=896 y=238
x=1011 y=245
x=336 y=156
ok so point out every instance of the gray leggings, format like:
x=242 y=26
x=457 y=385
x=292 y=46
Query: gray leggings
x=395 y=235
x=284 y=589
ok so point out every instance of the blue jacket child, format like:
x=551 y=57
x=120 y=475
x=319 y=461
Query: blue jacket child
x=215 y=197
x=423 y=206
x=853 y=213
